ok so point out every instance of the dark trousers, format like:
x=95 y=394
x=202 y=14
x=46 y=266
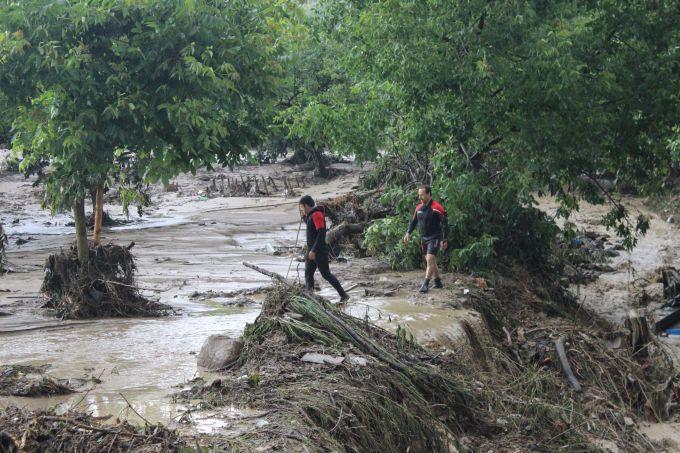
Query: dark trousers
x=321 y=263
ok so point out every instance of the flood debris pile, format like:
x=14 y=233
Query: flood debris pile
x=104 y=287
x=350 y=215
x=107 y=220
x=22 y=430
x=554 y=376
x=29 y=381
x=332 y=382
x=542 y=375
x=586 y=255
x=255 y=185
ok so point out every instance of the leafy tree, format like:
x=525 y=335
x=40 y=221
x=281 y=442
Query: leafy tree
x=492 y=101
x=174 y=84
x=313 y=115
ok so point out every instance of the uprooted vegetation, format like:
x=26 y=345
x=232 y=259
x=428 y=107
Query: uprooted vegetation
x=24 y=430
x=105 y=287
x=350 y=215
x=26 y=380
x=325 y=380
x=385 y=392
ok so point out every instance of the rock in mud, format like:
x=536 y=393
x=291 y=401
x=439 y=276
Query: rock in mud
x=219 y=351
x=322 y=359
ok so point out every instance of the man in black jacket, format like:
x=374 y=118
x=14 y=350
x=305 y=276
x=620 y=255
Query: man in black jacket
x=317 y=255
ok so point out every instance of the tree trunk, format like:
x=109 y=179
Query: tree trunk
x=320 y=162
x=81 y=232
x=98 y=215
x=342 y=230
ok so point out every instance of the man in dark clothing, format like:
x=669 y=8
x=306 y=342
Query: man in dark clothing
x=317 y=256
x=433 y=226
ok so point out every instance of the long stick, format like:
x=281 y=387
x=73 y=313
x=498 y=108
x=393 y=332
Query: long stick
x=296 y=243
x=562 y=354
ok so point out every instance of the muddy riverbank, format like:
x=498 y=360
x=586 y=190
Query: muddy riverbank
x=189 y=249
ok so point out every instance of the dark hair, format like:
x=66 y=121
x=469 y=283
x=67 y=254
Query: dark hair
x=309 y=201
x=427 y=188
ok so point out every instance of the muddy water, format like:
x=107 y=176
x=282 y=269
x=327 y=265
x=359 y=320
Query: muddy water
x=613 y=293
x=428 y=324
x=185 y=245
x=142 y=359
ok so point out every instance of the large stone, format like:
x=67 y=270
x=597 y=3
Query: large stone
x=219 y=351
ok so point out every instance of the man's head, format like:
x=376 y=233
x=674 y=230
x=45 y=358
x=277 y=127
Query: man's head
x=306 y=204
x=424 y=194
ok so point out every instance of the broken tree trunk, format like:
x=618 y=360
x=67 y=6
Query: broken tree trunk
x=636 y=323
x=562 y=355
x=342 y=230
x=98 y=215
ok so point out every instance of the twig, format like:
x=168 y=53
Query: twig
x=134 y=410
x=297 y=236
x=89 y=390
x=353 y=287
x=338 y=422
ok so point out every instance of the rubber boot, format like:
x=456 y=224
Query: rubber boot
x=425 y=287
x=438 y=283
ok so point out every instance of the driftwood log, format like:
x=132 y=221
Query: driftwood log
x=344 y=229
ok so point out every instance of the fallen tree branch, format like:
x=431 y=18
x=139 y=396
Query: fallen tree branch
x=562 y=355
x=342 y=230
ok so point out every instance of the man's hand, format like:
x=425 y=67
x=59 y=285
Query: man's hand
x=444 y=245
x=407 y=238
x=312 y=256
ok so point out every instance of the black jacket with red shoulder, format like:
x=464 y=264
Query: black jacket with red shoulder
x=432 y=221
x=316 y=229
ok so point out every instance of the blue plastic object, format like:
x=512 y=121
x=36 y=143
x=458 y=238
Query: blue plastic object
x=673 y=331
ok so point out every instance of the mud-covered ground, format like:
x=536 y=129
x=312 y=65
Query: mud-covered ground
x=186 y=245
x=189 y=248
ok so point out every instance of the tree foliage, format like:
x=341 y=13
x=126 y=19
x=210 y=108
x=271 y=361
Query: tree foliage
x=178 y=84
x=494 y=101
x=170 y=85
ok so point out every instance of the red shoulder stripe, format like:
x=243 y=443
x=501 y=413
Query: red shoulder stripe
x=319 y=220
x=437 y=207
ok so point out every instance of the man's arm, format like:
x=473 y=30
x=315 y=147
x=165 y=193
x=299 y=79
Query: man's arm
x=445 y=226
x=414 y=222
x=443 y=222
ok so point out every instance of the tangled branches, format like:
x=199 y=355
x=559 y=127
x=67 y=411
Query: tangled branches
x=74 y=431
x=104 y=287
